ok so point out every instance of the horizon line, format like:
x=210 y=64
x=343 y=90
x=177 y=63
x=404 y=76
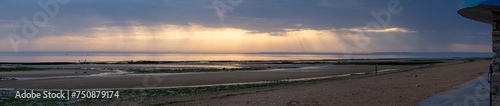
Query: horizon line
x=225 y=52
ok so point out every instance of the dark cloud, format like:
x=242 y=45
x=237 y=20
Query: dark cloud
x=435 y=22
x=258 y=15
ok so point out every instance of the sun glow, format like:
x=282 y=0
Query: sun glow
x=195 y=38
x=191 y=38
x=198 y=38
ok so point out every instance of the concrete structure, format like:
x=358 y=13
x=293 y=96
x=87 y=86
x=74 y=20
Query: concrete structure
x=487 y=11
x=472 y=93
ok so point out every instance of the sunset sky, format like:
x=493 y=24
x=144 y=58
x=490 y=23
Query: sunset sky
x=240 y=26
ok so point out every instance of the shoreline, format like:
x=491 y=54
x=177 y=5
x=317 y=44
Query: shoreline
x=75 y=76
x=388 y=71
x=279 y=81
x=222 y=61
x=160 y=80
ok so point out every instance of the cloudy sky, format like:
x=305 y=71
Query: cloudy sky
x=239 y=26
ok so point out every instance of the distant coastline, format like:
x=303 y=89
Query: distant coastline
x=315 y=53
x=34 y=57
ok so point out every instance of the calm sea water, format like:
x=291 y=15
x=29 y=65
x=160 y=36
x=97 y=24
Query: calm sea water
x=127 y=56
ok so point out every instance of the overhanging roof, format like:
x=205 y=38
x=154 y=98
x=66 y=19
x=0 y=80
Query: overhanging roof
x=479 y=10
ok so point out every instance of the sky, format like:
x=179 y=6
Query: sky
x=236 y=26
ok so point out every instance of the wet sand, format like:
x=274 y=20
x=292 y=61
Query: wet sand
x=399 y=89
x=188 y=79
x=48 y=73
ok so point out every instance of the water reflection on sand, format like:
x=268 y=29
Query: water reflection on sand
x=97 y=76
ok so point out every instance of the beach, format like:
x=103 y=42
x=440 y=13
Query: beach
x=113 y=76
x=399 y=89
x=284 y=82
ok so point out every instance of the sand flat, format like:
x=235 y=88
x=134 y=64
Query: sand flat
x=187 y=79
x=400 y=89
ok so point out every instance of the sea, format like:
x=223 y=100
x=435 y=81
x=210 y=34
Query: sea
x=183 y=56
